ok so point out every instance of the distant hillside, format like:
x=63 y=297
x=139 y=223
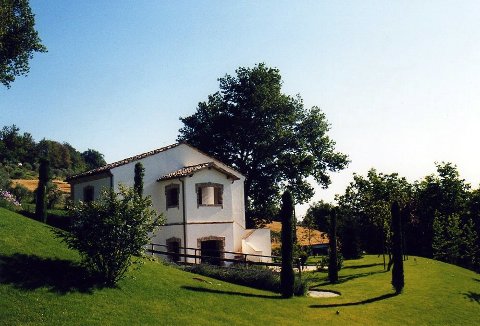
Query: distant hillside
x=20 y=155
x=32 y=184
x=305 y=236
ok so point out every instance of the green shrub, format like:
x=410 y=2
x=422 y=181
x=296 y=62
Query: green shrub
x=109 y=231
x=322 y=263
x=252 y=276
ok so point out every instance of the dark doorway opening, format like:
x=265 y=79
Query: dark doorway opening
x=173 y=248
x=211 y=252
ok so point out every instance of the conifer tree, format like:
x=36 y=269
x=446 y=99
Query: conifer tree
x=138 y=179
x=333 y=259
x=43 y=177
x=287 y=276
x=398 y=280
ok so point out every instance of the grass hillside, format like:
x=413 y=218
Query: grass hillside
x=32 y=184
x=41 y=284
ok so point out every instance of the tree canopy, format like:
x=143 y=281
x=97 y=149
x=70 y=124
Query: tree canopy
x=20 y=155
x=18 y=39
x=268 y=136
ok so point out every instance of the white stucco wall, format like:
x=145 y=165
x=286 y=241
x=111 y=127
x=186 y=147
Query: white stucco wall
x=202 y=213
x=98 y=185
x=173 y=214
x=258 y=242
x=171 y=160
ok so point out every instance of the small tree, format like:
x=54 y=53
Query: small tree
x=333 y=259
x=138 y=179
x=41 y=194
x=287 y=276
x=398 y=280
x=109 y=231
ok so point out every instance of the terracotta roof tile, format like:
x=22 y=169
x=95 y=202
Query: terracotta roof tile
x=110 y=166
x=189 y=170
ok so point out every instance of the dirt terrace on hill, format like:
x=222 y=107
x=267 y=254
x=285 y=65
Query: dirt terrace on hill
x=33 y=184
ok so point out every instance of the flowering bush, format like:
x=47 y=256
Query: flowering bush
x=8 y=200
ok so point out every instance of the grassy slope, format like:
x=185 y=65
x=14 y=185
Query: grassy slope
x=435 y=293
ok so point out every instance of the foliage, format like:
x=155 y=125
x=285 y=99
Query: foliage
x=251 y=276
x=398 y=278
x=93 y=159
x=20 y=156
x=15 y=147
x=22 y=193
x=333 y=259
x=138 y=179
x=287 y=275
x=317 y=216
x=5 y=181
x=441 y=195
x=453 y=242
x=53 y=195
x=321 y=262
x=41 y=192
x=110 y=230
x=18 y=39
x=367 y=202
x=266 y=135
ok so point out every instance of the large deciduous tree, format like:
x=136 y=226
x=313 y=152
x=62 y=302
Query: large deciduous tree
x=267 y=135
x=18 y=39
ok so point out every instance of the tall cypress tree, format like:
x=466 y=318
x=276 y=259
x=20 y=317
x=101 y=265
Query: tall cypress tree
x=333 y=259
x=398 y=280
x=138 y=179
x=287 y=276
x=43 y=177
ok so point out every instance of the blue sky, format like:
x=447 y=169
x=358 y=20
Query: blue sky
x=397 y=80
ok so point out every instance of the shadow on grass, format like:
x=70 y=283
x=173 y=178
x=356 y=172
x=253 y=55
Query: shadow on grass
x=362 y=266
x=53 y=219
x=371 y=300
x=346 y=278
x=249 y=295
x=474 y=297
x=30 y=272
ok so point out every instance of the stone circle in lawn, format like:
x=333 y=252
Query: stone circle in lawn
x=322 y=294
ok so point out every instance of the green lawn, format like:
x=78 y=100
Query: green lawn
x=40 y=284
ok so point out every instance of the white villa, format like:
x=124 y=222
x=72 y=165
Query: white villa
x=201 y=198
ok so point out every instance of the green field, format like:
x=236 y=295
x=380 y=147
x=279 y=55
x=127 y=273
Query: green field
x=41 y=284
